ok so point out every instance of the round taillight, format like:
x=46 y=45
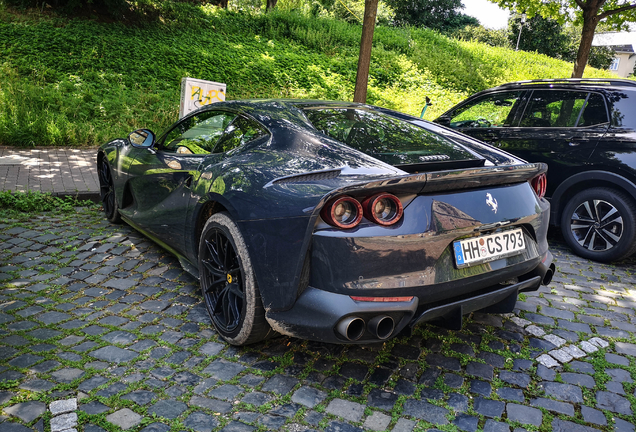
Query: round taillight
x=343 y=212
x=383 y=208
x=540 y=184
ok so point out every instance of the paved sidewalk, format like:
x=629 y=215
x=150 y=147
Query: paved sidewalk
x=60 y=171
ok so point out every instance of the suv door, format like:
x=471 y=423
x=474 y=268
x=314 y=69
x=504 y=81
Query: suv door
x=560 y=128
x=488 y=117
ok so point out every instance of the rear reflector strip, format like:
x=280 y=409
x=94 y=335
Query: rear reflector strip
x=381 y=299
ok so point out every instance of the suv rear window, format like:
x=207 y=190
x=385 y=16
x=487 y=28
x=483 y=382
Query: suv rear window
x=553 y=108
x=384 y=137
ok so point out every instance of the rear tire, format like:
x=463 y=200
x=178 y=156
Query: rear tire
x=107 y=192
x=228 y=284
x=600 y=224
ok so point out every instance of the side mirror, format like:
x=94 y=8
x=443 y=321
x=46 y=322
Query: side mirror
x=443 y=120
x=142 y=138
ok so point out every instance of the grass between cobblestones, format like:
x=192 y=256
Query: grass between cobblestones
x=96 y=312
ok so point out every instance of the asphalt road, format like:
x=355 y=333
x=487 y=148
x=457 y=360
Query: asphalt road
x=100 y=329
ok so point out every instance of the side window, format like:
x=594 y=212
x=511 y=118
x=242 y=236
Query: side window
x=490 y=111
x=553 y=108
x=240 y=132
x=594 y=112
x=197 y=134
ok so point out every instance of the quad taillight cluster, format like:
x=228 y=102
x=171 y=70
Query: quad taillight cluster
x=540 y=184
x=347 y=212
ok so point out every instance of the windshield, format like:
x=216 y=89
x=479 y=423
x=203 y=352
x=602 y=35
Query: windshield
x=384 y=137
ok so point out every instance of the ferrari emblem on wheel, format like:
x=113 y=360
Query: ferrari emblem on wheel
x=229 y=278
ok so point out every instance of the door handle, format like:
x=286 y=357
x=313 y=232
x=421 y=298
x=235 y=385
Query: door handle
x=573 y=143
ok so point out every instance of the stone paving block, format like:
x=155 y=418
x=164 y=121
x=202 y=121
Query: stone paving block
x=559 y=425
x=348 y=410
x=426 y=411
x=201 y=422
x=308 y=396
x=574 y=351
x=619 y=375
x=524 y=414
x=601 y=343
x=590 y=415
x=113 y=354
x=404 y=425
x=377 y=421
x=515 y=378
x=626 y=348
x=561 y=355
x=552 y=405
x=495 y=426
x=621 y=425
x=124 y=418
x=556 y=340
x=214 y=405
x=480 y=370
x=613 y=402
x=63 y=406
x=547 y=361
x=488 y=407
x=64 y=422
x=582 y=380
x=588 y=347
x=26 y=411
x=280 y=384
x=535 y=330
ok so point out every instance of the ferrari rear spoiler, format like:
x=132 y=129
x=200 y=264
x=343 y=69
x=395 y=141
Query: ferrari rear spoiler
x=436 y=181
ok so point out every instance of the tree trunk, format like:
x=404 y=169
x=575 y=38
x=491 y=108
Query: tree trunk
x=271 y=4
x=590 y=21
x=364 y=59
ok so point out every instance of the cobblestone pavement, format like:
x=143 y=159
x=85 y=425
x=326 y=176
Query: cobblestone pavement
x=100 y=329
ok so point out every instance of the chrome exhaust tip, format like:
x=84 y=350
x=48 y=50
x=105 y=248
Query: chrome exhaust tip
x=352 y=328
x=381 y=326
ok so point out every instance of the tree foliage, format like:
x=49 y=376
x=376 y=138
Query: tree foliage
x=585 y=13
x=441 y=15
x=543 y=35
x=492 y=37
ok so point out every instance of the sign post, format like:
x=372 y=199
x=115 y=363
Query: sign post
x=197 y=93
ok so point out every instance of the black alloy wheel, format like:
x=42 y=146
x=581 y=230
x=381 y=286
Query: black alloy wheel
x=223 y=285
x=228 y=284
x=600 y=224
x=107 y=192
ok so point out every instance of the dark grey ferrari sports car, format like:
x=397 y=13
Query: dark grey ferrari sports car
x=332 y=221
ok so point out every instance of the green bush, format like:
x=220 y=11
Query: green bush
x=75 y=82
x=33 y=201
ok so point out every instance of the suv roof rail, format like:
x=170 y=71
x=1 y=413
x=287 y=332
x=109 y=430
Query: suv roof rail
x=597 y=81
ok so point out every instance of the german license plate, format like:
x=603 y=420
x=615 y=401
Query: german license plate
x=477 y=250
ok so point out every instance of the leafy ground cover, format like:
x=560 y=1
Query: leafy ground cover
x=77 y=82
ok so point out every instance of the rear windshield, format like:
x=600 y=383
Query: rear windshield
x=384 y=137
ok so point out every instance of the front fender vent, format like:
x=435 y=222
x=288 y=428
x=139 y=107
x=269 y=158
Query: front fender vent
x=311 y=177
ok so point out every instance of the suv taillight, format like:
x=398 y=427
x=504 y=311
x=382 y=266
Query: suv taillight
x=539 y=184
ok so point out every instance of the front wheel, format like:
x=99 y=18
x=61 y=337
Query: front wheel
x=107 y=192
x=229 y=288
x=600 y=224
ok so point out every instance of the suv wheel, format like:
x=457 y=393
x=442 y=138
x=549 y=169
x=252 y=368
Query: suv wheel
x=600 y=224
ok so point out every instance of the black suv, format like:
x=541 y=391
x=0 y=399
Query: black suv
x=585 y=130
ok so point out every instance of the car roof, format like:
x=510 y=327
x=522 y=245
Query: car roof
x=569 y=82
x=270 y=112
